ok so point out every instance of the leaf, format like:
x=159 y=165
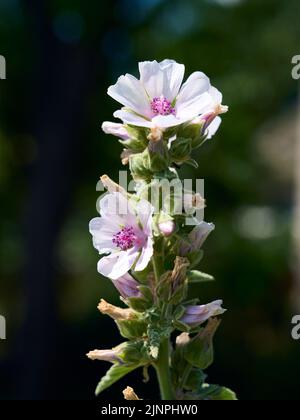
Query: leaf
x=192 y=162
x=113 y=375
x=199 y=277
x=216 y=393
x=195 y=380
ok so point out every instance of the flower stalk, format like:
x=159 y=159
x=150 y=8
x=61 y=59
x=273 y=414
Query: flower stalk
x=147 y=248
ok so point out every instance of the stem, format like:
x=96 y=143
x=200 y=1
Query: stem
x=156 y=269
x=163 y=371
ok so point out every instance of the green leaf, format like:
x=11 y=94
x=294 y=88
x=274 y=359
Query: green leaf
x=195 y=258
x=195 y=380
x=115 y=373
x=216 y=393
x=181 y=326
x=195 y=276
x=138 y=304
x=192 y=162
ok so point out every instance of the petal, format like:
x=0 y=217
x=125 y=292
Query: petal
x=103 y=233
x=168 y=121
x=116 y=206
x=130 y=92
x=115 y=129
x=145 y=257
x=193 y=96
x=213 y=127
x=144 y=212
x=131 y=118
x=117 y=264
x=163 y=78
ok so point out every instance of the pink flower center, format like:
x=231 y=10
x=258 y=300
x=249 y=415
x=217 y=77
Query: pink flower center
x=161 y=106
x=125 y=239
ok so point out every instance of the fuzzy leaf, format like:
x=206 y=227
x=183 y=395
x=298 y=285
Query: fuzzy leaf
x=199 y=277
x=114 y=374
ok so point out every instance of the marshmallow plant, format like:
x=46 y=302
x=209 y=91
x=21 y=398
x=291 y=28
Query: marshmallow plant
x=151 y=254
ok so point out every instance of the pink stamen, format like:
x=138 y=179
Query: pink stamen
x=125 y=239
x=161 y=106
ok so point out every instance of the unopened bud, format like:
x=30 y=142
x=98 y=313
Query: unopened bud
x=198 y=314
x=199 y=352
x=111 y=355
x=115 y=129
x=167 y=228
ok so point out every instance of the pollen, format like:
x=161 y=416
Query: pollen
x=125 y=239
x=161 y=106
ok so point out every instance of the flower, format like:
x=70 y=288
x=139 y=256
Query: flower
x=198 y=314
x=158 y=98
x=124 y=233
x=127 y=286
x=196 y=238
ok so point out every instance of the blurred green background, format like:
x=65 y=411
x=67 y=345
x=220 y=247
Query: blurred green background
x=61 y=57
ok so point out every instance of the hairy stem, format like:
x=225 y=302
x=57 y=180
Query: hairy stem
x=163 y=371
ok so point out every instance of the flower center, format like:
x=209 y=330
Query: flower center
x=125 y=239
x=161 y=106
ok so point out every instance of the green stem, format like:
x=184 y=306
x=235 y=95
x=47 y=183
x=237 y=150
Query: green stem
x=163 y=371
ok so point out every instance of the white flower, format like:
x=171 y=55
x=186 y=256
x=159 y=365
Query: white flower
x=124 y=231
x=158 y=98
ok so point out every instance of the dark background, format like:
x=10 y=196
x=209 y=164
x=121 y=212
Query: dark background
x=61 y=57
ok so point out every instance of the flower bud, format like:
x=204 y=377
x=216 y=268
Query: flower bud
x=199 y=351
x=127 y=286
x=114 y=312
x=196 y=238
x=167 y=228
x=115 y=129
x=111 y=355
x=198 y=314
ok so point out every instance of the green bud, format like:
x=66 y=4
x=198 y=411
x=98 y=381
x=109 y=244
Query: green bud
x=132 y=329
x=138 y=139
x=181 y=150
x=199 y=351
x=158 y=156
x=140 y=166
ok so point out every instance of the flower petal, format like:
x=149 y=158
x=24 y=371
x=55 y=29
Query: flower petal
x=103 y=232
x=130 y=92
x=131 y=118
x=145 y=257
x=163 y=78
x=117 y=264
x=213 y=127
x=193 y=97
